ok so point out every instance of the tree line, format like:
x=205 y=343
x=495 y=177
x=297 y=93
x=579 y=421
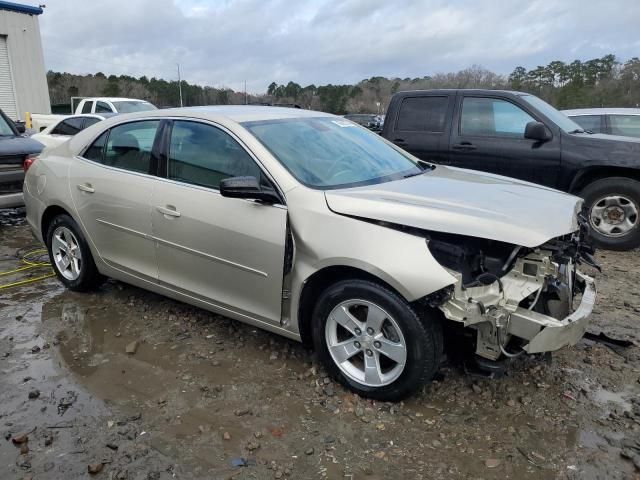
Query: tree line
x=593 y=83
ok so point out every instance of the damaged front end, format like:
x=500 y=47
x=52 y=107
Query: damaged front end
x=517 y=299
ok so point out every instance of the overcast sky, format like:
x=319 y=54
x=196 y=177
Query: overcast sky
x=225 y=42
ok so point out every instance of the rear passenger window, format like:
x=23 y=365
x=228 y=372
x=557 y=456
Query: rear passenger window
x=422 y=114
x=102 y=107
x=204 y=155
x=627 y=125
x=86 y=108
x=592 y=123
x=96 y=151
x=129 y=146
x=70 y=126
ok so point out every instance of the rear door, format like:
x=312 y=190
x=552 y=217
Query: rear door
x=419 y=126
x=488 y=135
x=226 y=251
x=111 y=186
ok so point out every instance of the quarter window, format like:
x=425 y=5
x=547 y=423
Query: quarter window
x=70 y=126
x=96 y=151
x=204 y=155
x=626 y=125
x=422 y=114
x=493 y=117
x=129 y=146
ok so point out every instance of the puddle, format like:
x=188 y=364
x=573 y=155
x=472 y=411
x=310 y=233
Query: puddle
x=618 y=399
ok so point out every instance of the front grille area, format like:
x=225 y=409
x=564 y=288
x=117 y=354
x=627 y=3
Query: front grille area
x=10 y=187
x=11 y=161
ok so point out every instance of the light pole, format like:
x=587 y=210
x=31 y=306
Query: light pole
x=179 y=84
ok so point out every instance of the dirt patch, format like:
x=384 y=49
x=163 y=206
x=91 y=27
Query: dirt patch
x=202 y=396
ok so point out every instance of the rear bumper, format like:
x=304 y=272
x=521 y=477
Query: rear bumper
x=547 y=334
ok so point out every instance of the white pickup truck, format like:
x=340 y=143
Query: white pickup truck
x=92 y=105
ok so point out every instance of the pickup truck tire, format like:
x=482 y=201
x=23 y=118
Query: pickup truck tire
x=357 y=323
x=70 y=255
x=613 y=206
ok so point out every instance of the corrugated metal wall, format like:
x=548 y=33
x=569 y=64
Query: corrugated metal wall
x=25 y=74
x=7 y=92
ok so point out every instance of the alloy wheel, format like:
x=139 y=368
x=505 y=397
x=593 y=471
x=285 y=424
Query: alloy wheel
x=614 y=215
x=66 y=253
x=366 y=343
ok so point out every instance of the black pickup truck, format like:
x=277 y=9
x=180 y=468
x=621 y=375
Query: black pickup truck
x=519 y=135
x=15 y=150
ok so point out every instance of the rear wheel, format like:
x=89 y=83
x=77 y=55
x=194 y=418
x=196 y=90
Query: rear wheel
x=70 y=255
x=373 y=342
x=614 y=212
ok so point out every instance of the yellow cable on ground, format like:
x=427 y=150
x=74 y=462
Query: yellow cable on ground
x=29 y=265
x=24 y=282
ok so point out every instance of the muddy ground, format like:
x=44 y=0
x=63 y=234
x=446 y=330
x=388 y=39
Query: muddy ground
x=207 y=397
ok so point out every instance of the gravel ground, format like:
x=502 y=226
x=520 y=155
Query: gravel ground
x=202 y=396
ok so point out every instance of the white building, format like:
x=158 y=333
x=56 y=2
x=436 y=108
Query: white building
x=23 y=80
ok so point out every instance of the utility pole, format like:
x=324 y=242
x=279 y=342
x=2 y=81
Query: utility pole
x=245 y=93
x=179 y=84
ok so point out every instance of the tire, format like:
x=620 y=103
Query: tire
x=368 y=303
x=614 y=195
x=80 y=276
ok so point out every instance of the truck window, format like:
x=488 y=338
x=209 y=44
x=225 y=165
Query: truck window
x=591 y=123
x=422 y=114
x=626 y=125
x=102 y=107
x=493 y=117
x=86 y=107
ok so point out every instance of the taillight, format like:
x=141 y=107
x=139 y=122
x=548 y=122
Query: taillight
x=29 y=160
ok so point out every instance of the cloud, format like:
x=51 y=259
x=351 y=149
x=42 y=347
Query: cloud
x=225 y=42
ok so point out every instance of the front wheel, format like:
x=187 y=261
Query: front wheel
x=614 y=207
x=373 y=342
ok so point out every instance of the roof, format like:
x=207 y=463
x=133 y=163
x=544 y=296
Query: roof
x=602 y=111
x=235 y=113
x=20 y=8
x=114 y=99
x=478 y=91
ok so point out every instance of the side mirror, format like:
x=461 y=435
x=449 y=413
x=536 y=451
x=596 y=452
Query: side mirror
x=20 y=126
x=247 y=187
x=536 y=131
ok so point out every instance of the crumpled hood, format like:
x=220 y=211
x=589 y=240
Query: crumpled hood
x=465 y=202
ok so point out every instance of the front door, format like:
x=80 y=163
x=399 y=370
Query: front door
x=111 y=187
x=488 y=135
x=226 y=251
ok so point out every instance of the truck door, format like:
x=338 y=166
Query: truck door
x=487 y=134
x=419 y=126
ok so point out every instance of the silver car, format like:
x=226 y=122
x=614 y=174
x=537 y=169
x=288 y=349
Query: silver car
x=307 y=225
x=613 y=121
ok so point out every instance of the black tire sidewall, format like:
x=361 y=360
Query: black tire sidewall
x=613 y=186
x=422 y=338
x=89 y=277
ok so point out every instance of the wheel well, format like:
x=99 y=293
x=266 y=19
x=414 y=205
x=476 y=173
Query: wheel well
x=49 y=214
x=585 y=177
x=318 y=283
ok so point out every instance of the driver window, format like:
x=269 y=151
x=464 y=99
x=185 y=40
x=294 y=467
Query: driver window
x=492 y=117
x=204 y=155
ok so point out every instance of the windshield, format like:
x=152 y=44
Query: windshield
x=329 y=152
x=5 y=128
x=130 y=107
x=559 y=118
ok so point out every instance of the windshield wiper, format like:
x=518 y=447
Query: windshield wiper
x=408 y=175
x=577 y=130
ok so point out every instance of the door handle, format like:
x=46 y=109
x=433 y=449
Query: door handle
x=464 y=146
x=399 y=141
x=169 y=211
x=85 y=187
